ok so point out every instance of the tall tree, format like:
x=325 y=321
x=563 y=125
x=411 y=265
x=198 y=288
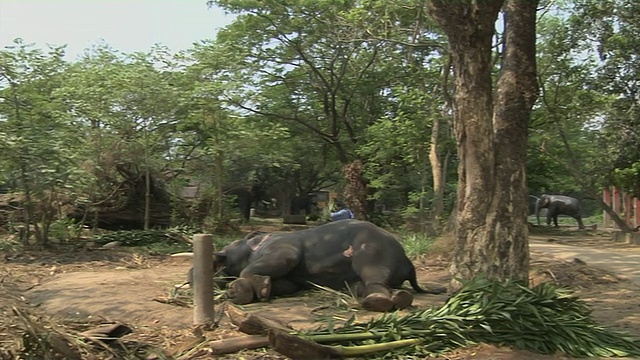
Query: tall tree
x=126 y=105
x=38 y=138
x=491 y=132
x=565 y=131
x=301 y=63
x=609 y=32
x=416 y=53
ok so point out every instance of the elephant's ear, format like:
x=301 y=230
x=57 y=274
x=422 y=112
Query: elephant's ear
x=255 y=242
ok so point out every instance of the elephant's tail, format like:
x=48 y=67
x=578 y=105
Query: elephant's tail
x=414 y=284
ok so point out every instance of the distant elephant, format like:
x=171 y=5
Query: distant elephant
x=269 y=204
x=559 y=205
x=246 y=197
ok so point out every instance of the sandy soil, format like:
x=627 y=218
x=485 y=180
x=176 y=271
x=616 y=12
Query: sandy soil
x=81 y=289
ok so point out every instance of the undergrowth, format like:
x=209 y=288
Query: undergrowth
x=416 y=244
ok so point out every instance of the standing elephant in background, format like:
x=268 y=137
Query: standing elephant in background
x=245 y=197
x=559 y=205
x=532 y=205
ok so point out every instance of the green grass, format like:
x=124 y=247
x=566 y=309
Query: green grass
x=9 y=245
x=416 y=244
x=567 y=220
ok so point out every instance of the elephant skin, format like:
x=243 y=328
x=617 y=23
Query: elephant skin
x=559 y=205
x=358 y=253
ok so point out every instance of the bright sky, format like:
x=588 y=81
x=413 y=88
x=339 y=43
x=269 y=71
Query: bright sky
x=126 y=25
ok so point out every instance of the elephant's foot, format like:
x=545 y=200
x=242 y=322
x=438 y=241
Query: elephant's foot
x=401 y=299
x=377 y=302
x=240 y=291
x=261 y=286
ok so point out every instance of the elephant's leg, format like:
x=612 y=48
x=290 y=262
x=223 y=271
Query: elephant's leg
x=377 y=297
x=245 y=290
x=552 y=214
x=373 y=289
x=400 y=298
x=240 y=291
x=264 y=271
x=280 y=287
x=579 y=220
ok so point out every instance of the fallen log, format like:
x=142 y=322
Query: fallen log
x=254 y=324
x=235 y=344
x=296 y=347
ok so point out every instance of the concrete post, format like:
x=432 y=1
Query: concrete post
x=203 y=312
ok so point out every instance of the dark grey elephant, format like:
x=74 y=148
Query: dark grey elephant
x=559 y=205
x=245 y=197
x=350 y=252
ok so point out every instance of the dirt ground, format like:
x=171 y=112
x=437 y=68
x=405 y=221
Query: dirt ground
x=67 y=292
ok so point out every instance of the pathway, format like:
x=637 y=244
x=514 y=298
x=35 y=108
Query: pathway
x=620 y=261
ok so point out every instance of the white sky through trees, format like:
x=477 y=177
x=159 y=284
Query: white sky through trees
x=125 y=25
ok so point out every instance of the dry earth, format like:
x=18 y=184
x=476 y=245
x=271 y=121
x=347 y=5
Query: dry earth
x=72 y=291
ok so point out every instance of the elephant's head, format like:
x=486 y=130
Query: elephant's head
x=229 y=262
x=543 y=202
x=235 y=256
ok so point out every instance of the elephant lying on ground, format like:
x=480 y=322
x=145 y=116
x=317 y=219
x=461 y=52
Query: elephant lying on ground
x=358 y=253
x=559 y=205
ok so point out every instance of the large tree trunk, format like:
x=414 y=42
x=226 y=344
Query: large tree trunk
x=491 y=231
x=515 y=95
x=355 y=191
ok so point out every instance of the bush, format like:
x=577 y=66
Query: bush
x=416 y=243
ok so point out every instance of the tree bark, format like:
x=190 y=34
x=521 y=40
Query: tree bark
x=516 y=93
x=491 y=229
x=438 y=167
x=355 y=192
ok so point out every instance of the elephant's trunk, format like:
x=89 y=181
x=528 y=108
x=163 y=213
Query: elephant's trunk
x=538 y=212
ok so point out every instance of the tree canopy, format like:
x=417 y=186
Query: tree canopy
x=356 y=97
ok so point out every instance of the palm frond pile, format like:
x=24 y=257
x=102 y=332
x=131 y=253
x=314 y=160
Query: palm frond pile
x=544 y=319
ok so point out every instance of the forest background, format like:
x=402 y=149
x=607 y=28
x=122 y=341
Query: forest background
x=351 y=97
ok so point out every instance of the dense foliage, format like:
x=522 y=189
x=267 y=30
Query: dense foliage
x=289 y=96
